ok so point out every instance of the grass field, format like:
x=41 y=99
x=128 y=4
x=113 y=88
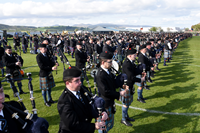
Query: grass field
x=176 y=88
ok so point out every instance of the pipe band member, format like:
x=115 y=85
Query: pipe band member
x=46 y=66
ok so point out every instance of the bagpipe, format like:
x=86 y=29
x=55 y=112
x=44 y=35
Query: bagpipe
x=30 y=123
x=19 y=59
x=64 y=58
x=52 y=55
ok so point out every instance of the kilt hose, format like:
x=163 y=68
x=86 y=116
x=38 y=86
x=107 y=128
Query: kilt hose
x=128 y=99
x=46 y=84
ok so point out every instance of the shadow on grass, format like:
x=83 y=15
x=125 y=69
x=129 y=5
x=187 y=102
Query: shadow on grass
x=169 y=122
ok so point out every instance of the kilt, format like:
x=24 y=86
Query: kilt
x=166 y=54
x=71 y=49
x=138 y=83
x=128 y=99
x=66 y=48
x=110 y=121
x=46 y=84
x=17 y=78
x=119 y=57
x=58 y=51
x=1 y=64
x=170 y=54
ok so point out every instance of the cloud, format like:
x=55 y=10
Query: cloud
x=146 y=12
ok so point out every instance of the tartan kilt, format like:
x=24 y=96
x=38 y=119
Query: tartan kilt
x=17 y=78
x=170 y=54
x=66 y=48
x=128 y=99
x=46 y=84
x=119 y=57
x=138 y=83
x=71 y=49
x=166 y=54
x=58 y=51
x=110 y=121
x=1 y=64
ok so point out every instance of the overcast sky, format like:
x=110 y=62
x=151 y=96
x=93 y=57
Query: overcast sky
x=164 y=13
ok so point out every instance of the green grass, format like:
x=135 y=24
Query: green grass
x=175 y=89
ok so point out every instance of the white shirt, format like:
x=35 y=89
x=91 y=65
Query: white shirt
x=169 y=45
x=59 y=41
x=9 y=54
x=130 y=60
x=144 y=54
x=74 y=92
x=105 y=70
x=1 y=113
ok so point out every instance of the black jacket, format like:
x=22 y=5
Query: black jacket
x=106 y=86
x=98 y=48
x=2 y=51
x=75 y=117
x=108 y=48
x=9 y=62
x=45 y=64
x=73 y=43
x=144 y=60
x=131 y=71
x=13 y=125
x=81 y=59
x=89 y=48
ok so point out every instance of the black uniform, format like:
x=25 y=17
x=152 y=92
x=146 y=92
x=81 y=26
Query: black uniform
x=75 y=117
x=81 y=59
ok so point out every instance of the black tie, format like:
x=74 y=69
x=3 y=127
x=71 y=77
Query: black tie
x=110 y=74
x=80 y=97
x=3 y=124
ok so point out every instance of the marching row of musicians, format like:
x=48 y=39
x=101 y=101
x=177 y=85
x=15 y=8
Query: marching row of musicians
x=74 y=105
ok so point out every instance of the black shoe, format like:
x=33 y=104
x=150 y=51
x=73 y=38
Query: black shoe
x=129 y=119
x=3 y=75
x=51 y=101
x=153 y=72
x=158 y=69
x=152 y=76
x=126 y=123
x=140 y=100
x=147 y=88
x=143 y=98
x=165 y=65
x=47 y=104
x=22 y=92
x=150 y=81
x=168 y=62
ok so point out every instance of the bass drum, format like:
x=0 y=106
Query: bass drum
x=93 y=72
x=115 y=65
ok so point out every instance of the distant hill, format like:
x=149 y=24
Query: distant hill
x=59 y=28
x=16 y=28
x=32 y=28
x=110 y=25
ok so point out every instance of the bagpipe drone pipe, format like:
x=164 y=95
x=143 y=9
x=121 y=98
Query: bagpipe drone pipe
x=30 y=123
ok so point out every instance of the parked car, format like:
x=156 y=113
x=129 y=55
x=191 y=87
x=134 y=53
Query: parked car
x=21 y=33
